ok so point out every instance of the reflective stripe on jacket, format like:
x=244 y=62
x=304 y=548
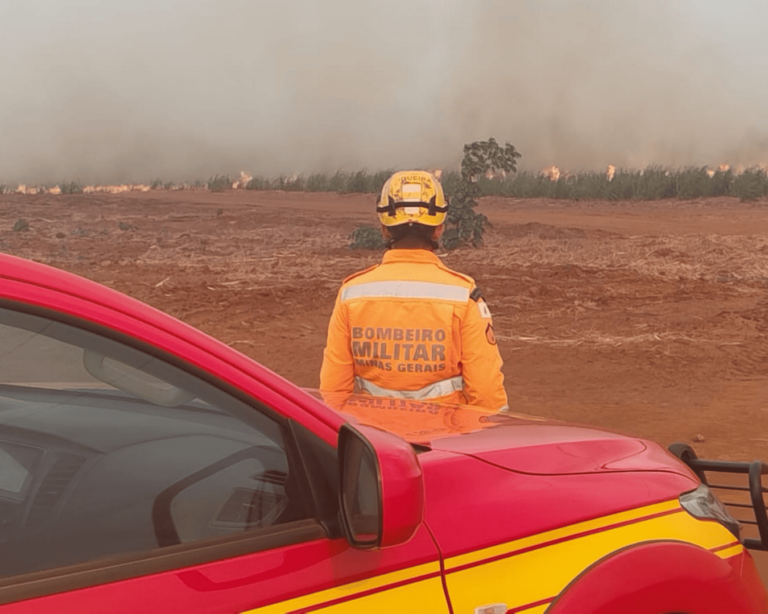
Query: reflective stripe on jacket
x=431 y=391
x=409 y=328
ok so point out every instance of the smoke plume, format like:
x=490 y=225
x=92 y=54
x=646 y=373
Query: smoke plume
x=179 y=90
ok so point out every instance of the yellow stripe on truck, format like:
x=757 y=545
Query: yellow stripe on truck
x=524 y=574
x=529 y=575
x=561 y=533
x=393 y=592
x=729 y=552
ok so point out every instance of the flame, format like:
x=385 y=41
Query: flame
x=610 y=172
x=111 y=189
x=242 y=183
x=550 y=172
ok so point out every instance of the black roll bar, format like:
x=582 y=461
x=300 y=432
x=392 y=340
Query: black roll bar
x=754 y=472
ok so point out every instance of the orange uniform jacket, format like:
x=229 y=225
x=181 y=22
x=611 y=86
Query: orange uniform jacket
x=411 y=327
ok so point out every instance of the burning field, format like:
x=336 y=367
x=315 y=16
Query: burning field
x=645 y=317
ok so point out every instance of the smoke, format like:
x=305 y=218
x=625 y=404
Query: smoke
x=181 y=90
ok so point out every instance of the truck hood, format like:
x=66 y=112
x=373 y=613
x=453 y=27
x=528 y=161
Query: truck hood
x=517 y=442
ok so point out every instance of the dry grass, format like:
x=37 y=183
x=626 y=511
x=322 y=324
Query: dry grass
x=708 y=258
x=598 y=338
x=265 y=258
x=584 y=281
x=281 y=255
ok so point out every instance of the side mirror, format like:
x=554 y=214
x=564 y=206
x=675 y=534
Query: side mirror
x=381 y=487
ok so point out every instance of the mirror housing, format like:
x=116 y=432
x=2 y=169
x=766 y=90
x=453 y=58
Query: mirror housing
x=381 y=487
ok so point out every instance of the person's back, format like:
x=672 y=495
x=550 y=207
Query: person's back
x=411 y=327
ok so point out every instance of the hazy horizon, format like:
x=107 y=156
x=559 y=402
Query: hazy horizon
x=185 y=90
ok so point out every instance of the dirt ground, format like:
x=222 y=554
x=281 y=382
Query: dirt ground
x=649 y=318
x=645 y=317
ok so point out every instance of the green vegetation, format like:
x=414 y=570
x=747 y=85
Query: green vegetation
x=464 y=225
x=652 y=183
x=71 y=187
x=749 y=185
x=344 y=183
x=21 y=225
x=219 y=183
x=367 y=237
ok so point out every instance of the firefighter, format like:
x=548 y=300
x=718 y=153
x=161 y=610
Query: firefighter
x=410 y=327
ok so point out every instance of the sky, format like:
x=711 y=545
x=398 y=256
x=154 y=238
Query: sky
x=178 y=90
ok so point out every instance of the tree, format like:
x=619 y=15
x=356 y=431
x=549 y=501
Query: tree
x=465 y=226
